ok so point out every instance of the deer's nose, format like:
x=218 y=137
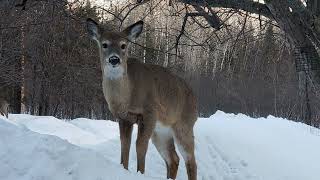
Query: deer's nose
x=114 y=60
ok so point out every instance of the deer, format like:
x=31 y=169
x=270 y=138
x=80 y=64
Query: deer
x=159 y=102
x=4 y=106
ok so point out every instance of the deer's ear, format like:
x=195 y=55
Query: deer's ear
x=93 y=29
x=134 y=30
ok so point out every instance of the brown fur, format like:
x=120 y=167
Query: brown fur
x=146 y=94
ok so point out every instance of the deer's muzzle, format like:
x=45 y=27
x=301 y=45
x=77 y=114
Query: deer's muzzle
x=114 y=60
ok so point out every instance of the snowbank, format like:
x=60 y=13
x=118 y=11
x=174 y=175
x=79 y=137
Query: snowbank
x=26 y=155
x=228 y=147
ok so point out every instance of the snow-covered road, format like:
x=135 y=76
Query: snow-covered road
x=228 y=147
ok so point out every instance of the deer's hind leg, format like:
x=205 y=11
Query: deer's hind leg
x=165 y=145
x=125 y=128
x=184 y=138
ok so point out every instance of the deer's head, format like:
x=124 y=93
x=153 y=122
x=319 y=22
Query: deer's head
x=113 y=46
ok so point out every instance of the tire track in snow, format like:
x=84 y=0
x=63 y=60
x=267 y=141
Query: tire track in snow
x=216 y=165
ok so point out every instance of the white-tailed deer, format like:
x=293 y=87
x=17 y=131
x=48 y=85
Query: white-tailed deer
x=4 y=107
x=161 y=103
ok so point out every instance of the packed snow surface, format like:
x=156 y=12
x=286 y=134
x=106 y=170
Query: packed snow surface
x=228 y=147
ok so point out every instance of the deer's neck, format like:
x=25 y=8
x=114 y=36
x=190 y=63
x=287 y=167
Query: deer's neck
x=116 y=88
x=114 y=73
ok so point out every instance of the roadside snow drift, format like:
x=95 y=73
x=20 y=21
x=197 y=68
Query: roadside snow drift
x=228 y=147
x=26 y=155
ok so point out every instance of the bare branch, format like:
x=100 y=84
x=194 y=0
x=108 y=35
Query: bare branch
x=22 y=4
x=246 y=5
x=213 y=20
x=184 y=26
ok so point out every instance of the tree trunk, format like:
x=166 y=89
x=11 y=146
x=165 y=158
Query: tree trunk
x=305 y=109
x=297 y=23
x=17 y=100
x=103 y=111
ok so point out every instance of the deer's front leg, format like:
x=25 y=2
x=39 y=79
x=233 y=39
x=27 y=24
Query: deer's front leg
x=145 y=129
x=125 y=128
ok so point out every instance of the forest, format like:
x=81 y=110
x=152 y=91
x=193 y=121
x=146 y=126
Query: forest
x=259 y=58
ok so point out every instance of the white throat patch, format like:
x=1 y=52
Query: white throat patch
x=113 y=73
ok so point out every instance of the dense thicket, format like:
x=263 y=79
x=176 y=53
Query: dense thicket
x=246 y=66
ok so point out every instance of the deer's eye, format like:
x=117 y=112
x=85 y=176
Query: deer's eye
x=105 y=45
x=123 y=46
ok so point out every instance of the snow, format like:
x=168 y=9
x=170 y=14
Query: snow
x=228 y=147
